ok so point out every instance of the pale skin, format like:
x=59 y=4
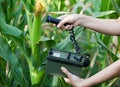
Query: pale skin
x=106 y=26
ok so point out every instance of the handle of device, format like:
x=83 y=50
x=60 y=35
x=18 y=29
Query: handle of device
x=54 y=20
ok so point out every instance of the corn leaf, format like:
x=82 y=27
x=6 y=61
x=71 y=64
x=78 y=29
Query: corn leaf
x=116 y=7
x=8 y=55
x=99 y=41
x=16 y=35
x=101 y=14
x=10 y=30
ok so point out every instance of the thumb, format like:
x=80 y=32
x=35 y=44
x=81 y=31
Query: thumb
x=66 y=72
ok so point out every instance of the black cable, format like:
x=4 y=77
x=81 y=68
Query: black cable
x=72 y=38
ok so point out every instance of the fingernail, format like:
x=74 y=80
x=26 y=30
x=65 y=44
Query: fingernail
x=62 y=68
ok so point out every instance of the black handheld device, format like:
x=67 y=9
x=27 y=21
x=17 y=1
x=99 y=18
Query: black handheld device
x=72 y=61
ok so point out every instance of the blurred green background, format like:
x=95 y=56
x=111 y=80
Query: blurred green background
x=25 y=40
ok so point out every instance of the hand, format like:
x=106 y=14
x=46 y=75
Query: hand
x=72 y=19
x=73 y=79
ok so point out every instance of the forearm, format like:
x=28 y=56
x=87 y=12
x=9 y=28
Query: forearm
x=106 y=26
x=108 y=73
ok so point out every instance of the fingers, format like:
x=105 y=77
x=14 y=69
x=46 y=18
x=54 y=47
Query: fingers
x=68 y=27
x=72 y=79
x=62 y=22
x=66 y=72
x=66 y=19
x=63 y=26
x=67 y=80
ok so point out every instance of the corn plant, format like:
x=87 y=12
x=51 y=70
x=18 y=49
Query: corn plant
x=25 y=40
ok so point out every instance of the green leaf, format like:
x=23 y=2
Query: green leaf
x=1 y=1
x=28 y=5
x=97 y=4
x=101 y=14
x=116 y=7
x=10 y=30
x=37 y=76
x=15 y=34
x=63 y=83
x=16 y=18
x=99 y=41
x=36 y=32
x=8 y=55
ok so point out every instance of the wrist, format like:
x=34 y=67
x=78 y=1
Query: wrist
x=82 y=19
x=85 y=83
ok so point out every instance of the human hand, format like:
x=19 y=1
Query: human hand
x=73 y=79
x=72 y=19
